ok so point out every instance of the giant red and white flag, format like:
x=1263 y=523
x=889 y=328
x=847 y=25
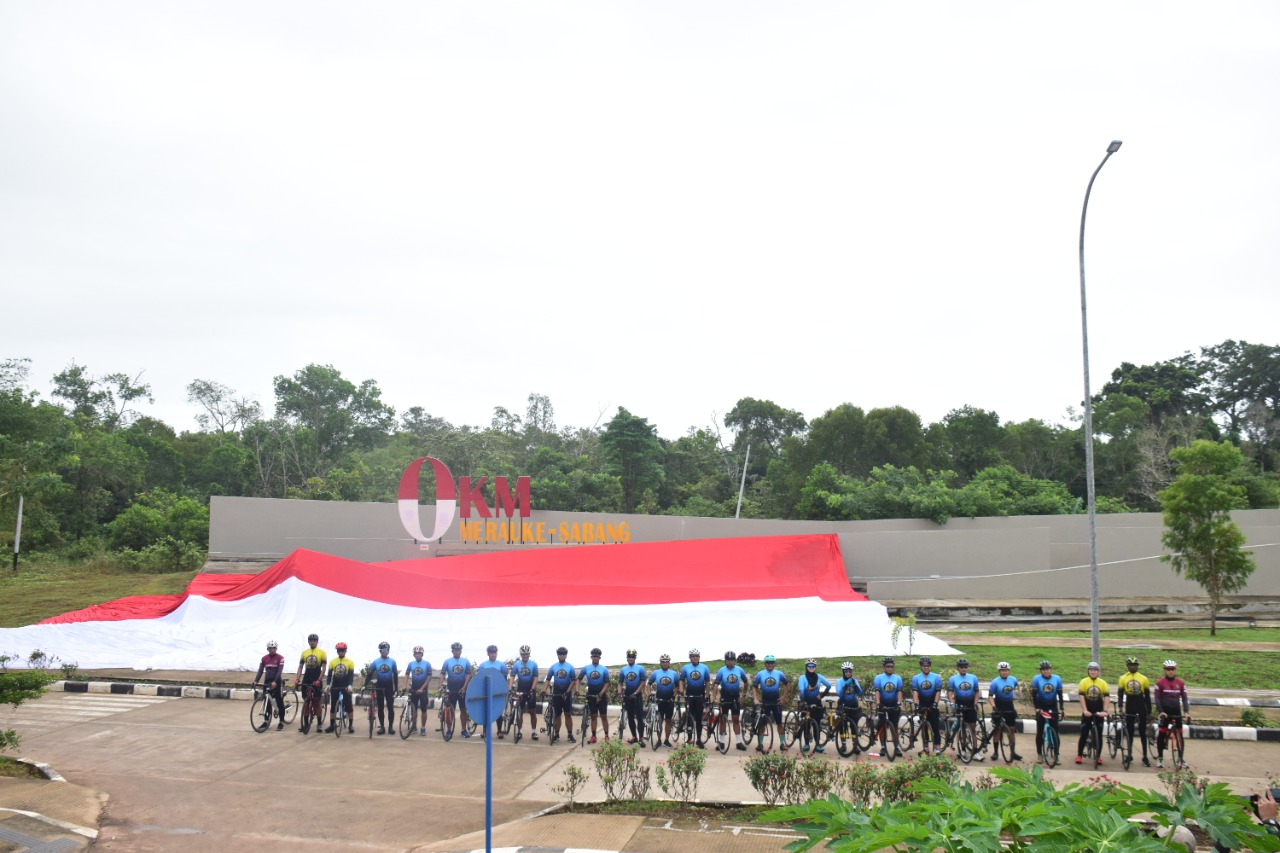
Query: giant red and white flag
x=782 y=595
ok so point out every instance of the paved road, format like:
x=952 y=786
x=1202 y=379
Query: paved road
x=190 y=774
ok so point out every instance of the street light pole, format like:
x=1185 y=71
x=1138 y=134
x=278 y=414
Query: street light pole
x=1094 y=630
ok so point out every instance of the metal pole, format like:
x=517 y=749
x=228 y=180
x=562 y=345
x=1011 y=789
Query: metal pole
x=488 y=767
x=743 y=485
x=17 y=535
x=1094 y=629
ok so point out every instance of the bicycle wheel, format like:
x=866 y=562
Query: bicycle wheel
x=447 y=719
x=809 y=734
x=1049 y=747
x=846 y=737
x=1113 y=739
x=965 y=746
x=865 y=735
x=1000 y=734
x=764 y=732
x=290 y=707
x=260 y=713
x=1176 y=753
x=891 y=740
x=371 y=715
x=909 y=732
x=517 y=725
x=340 y=718
x=583 y=726
x=653 y=723
x=408 y=719
x=1093 y=746
x=1126 y=748
x=548 y=719
x=789 y=734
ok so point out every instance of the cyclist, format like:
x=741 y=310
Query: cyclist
x=341 y=672
x=596 y=677
x=632 y=678
x=1046 y=695
x=849 y=694
x=525 y=681
x=1135 y=692
x=1093 y=707
x=811 y=689
x=662 y=683
x=694 y=678
x=1001 y=693
x=767 y=688
x=728 y=692
x=888 y=686
x=386 y=675
x=418 y=674
x=271 y=671
x=310 y=676
x=1170 y=694
x=926 y=685
x=491 y=662
x=962 y=691
x=456 y=672
x=563 y=678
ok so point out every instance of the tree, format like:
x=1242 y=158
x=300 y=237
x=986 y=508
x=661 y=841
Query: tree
x=1167 y=387
x=763 y=425
x=1206 y=543
x=970 y=440
x=105 y=401
x=634 y=454
x=222 y=409
x=334 y=415
x=18 y=686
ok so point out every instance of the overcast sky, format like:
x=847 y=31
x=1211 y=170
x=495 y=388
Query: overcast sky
x=664 y=206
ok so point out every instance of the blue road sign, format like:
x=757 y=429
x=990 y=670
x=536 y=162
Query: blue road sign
x=487 y=695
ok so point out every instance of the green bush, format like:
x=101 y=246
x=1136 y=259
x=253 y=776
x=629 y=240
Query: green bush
x=901 y=781
x=1255 y=719
x=621 y=772
x=814 y=778
x=684 y=766
x=167 y=555
x=19 y=685
x=156 y=515
x=772 y=775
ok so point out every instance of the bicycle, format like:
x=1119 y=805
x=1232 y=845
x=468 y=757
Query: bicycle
x=713 y=719
x=1173 y=737
x=585 y=725
x=757 y=725
x=340 y=718
x=445 y=714
x=409 y=714
x=507 y=721
x=846 y=735
x=370 y=692
x=806 y=729
x=1119 y=740
x=1049 y=740
x=917 y=728
x=971 y=737
x=312 y=706
x=882 y=730
x=1001 y=733
x=653 y=722
x=624 y=719
x=1093 y=741
x=263 y=707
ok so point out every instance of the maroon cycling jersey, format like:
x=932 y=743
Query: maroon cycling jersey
x=1171 y=695
x=272 y=666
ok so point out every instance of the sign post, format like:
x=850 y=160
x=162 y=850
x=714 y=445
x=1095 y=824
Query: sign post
x=486 y=700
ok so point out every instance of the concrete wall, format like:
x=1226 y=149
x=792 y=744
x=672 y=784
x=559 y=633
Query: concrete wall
x=967 y=558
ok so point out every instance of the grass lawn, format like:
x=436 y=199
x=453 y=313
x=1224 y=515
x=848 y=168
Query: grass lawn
x=37 y=591
x=1141 y=635
x=17 y=769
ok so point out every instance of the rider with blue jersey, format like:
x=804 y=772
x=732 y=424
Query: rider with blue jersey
x=926 y=687
x=888 y=687
x=811 y=689
x=767 y=689
x=524 y=678
x=562 y=677
x=728 y=692
x=694 y=678
x=456 y=672
x=418 y=672
x=632 y=678
x=596 y=678
x=493 y=663
x=1002 y=692
x=962 y=690
x=1046 y=695
x=386 y=677
x=662 y=683
x=848 y=692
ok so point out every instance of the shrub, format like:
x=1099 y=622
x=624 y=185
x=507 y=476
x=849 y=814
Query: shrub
x=899 y=782
x=862 y=781
x=574 y=779
x=1255 y=719
x=679 y=779
x=772 y=775
x=19 y=685
x=167 y=555
x=814 y=778
x=621 y=772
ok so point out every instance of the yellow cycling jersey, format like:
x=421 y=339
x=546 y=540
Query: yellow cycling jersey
x=1134 y=684
x=342 y=669
x=313 y=659
x=1095 y=692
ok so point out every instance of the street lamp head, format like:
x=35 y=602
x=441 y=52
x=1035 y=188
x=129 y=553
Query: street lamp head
x=1114 y=146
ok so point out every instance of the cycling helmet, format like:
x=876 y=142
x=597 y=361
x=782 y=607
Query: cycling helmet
x=846 y=665
x=694 y=653
x=562 y=651
x=962 y=662
x=770 y=659
x=926 y=661
x=1130 y=661
x=492 y=648
x=1044 y=664
x=1171 y=664
x=456 y=646
x=417 y=650
x=272 y=644
x=631 y=653
x=311 y=637
x=595 y=653
x=1004 y=664
x=524 y=650
x=888 y=662
x=342 y=647
x=1093 y=664
x=730 y=656
x=384 y=646
x=811 y=662
x=665 y=659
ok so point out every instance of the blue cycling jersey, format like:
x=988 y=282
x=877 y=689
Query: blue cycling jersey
x=730 y=679
x=456 y=669
x=664 y=682
x=770 y=683
x=927 y=687
x=888 y=688
x=632 y=677
x=595 y=676
x=560 y=675
x=811 y=691
x=849 y=691
x=964 y=688
x=384 y=669
x=419 y=672
x=1046 y=692
x=526 y=674
x=695 y=678
x=1002 y=690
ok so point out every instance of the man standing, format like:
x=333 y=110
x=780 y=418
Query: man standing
x=926 y=687
x=1172 y=703
x=632 y=678
x=419 y=674
x=1046 y=695
x=456 y=672
x=694 y=678
x=962 y=690
x=662 y=681
x=728 y=692
x=888 y=686
x=341 y=673
x=271 y=671
x=1002 y=693
x=1093 y=709
x=386 y=677
x=310 y=676
x=766 y=689
x=562 y=678
x=849 y=695
x=525 y=677
x=1135 y=695
x=811 y=689
x=596 y=678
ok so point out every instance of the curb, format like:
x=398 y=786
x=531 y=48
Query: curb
x=1193 y=731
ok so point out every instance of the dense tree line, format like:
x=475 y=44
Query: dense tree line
x=98 y=474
